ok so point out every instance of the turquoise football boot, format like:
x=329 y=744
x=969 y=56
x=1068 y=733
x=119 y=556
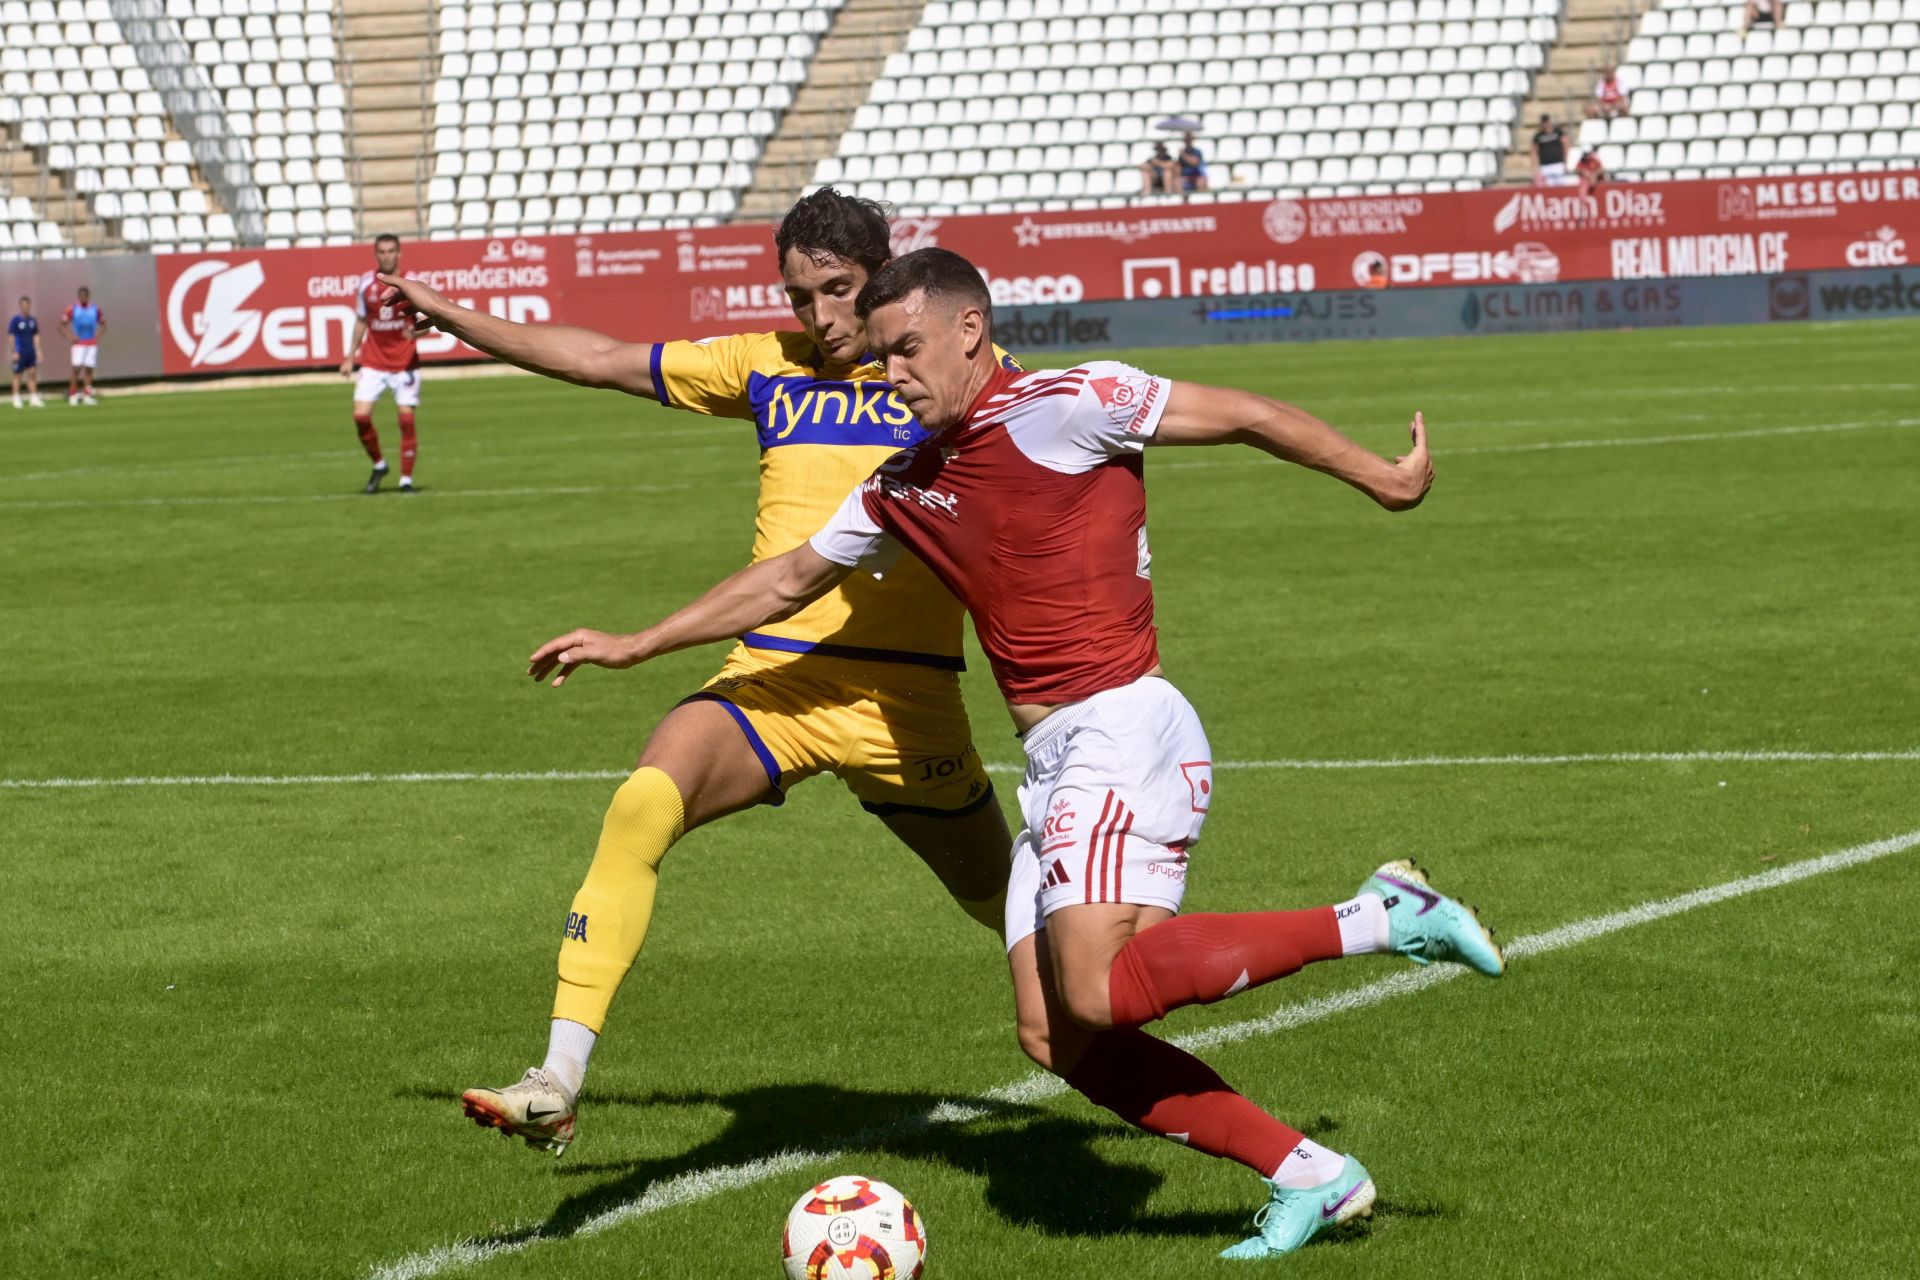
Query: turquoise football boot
x=1293 y=1216
x=1425 y=925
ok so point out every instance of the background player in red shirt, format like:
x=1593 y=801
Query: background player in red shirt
x=389 y=361
x=1028 y=501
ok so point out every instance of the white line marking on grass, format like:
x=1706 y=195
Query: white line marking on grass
x=1610 y=442
x=595 y=775
x=1626 y=442
x=435 y=493
x=701 y=1184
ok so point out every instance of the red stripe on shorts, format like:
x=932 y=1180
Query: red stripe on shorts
x=1093 y=843
x=1120 y=854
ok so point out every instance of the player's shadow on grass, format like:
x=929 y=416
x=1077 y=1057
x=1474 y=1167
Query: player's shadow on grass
x=1040 y=1168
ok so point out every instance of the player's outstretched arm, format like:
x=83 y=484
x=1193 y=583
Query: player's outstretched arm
x=556 y=350
x=1200 y=414
x=757 y=595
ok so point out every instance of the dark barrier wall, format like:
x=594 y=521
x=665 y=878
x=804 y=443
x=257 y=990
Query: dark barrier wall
x=123 y=288
x=1461 y=312
x=150 y=336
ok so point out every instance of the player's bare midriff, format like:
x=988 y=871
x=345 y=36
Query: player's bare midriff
x=1027 y=716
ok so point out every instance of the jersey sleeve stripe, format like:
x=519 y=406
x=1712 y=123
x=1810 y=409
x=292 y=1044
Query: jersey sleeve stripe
x=659 y=382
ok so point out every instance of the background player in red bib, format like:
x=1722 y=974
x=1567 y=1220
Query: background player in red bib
x=389 y=361
x=1028 y=501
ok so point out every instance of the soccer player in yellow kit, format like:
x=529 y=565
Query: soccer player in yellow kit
x=862 y=683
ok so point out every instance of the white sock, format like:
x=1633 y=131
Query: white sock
x=1309 y=1165
x=1363 y=925
x=569 y=1045
x=380 y=466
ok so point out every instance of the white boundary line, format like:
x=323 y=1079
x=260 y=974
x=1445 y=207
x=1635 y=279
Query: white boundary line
x=275 y=499
x=1543 y=446
x=702 y=1184
x=596 y=775
x=1611 y=442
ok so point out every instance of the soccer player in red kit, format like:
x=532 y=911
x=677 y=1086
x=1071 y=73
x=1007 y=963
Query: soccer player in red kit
x=389 y=361
x=1028 y=500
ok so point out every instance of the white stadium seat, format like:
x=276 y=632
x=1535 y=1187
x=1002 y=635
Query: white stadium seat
x=1810 y=96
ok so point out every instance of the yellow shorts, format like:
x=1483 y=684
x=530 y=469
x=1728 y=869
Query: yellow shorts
x=895 y=733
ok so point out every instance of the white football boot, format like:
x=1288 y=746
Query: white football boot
x=535 y=1108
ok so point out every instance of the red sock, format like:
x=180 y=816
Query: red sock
x=409 y=444
x=1199 y=959
x=369 y=438
x=1167 y=1091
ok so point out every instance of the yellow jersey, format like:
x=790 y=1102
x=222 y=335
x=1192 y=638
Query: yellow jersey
x=819 y=437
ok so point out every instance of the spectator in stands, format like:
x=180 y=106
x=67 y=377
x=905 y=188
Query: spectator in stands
x=1609 y=98
x=1549 y=154
x=1158 y=172
x=1590 y=172
x=1765 y=13
x=1376 y=275
x=1193 y=165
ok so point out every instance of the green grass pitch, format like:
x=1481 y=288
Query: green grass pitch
x=235 y=1018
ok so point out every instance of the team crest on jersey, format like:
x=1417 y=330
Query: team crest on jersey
x=892 y=480
x=1128 y=398
x=1199 y=776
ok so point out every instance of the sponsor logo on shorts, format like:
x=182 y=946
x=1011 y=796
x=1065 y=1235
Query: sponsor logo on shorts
x=1057 y=832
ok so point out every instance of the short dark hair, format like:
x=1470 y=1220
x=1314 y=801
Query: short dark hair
x=385 y=237
x=83 y=289
x=939 y=273
x=829 y=224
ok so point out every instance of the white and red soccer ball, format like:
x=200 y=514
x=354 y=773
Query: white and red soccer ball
x=853 y=1228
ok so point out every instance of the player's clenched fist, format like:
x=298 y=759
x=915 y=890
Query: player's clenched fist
x=581 y=648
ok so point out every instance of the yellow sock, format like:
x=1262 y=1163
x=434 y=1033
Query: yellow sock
x=611 y=911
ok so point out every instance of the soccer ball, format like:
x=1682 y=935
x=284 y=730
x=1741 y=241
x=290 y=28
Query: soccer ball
x=853 y=1228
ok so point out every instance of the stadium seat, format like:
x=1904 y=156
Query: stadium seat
x=1812 y=93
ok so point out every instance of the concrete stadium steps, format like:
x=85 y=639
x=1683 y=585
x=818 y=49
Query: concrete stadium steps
x=23 y=174
x=1592 y=35
x=388 y=64
x=851 y=56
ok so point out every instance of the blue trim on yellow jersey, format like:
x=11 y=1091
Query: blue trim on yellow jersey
x=827 y=649
x=659 y=383
x=767 y=761
x=801 y=409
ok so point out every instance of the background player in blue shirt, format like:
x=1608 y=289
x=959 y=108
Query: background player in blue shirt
x=25 y=332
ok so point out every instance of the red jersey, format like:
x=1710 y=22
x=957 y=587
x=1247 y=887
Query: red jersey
x=1032 y=510
x=389 y=346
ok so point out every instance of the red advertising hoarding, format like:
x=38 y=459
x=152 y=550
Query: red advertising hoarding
x=266 y=309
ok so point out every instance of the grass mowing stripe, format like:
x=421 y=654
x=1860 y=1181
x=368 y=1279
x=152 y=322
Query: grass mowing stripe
x=701 y=1184
x=589 y=775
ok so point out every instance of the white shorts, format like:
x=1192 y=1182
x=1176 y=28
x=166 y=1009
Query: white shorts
x=1116 y=791
x=86 y=355
x=375 y=383
x=1551 y=175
